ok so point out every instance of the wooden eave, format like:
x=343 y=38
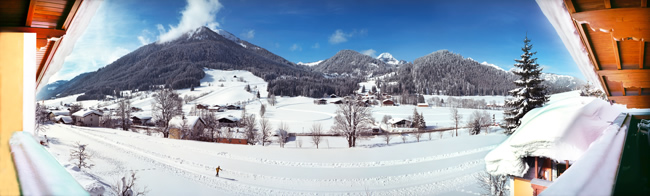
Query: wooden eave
x=614 y=33
x=47 y=18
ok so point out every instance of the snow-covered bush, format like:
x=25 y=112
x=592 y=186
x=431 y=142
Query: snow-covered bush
x=80 y=156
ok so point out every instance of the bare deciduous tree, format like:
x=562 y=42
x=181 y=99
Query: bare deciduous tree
x=166 y=105
x=387 y=136
x=41 y=118
x=262 y=110
x=495 y=185
x=456 y=117
x=211 y=123
x=228 y=134
x=265 y=129
x=80 y=156
x=283 y=133
x=124 y=112
x=351 y=121
x=316 y=133
x=250 y=127
x=272 y=100
x=126 y=186
x=485 y=120
x=404 y=135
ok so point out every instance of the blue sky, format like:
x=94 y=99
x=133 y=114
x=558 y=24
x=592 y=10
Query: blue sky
x=307 y=31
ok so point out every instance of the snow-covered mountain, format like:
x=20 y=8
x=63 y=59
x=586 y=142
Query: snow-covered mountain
x=493 y=65
x=388 y=58
x=310 y=64
x=350 y=62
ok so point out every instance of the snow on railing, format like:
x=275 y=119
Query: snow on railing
x=39 y=173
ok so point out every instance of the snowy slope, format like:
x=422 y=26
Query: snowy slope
x=163 y=165
x=310 y=64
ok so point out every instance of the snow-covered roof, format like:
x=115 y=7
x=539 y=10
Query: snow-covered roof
x=177 y=122
x=229 y=117
x=65 y=119
x=142 y=117
x=60 y=112
x=556 y=13
x=86 y=112
x=395 y=120
x=561 y=130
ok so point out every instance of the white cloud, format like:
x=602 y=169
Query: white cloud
x=197 y=13
x=144 y=38
x=369 y=52
x=295 y=47
x=248 y=35
x=339 y=37
x=316 y=45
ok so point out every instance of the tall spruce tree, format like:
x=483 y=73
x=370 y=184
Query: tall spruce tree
x=530 y=93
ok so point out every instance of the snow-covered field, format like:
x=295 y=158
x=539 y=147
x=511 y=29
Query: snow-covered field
x=438 y=164
x=180 y=167
x=299 y=112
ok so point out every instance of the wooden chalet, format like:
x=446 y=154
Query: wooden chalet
x=388 y=102
x=320 y=101
x=609 y=42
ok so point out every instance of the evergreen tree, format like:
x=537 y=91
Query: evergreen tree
x=530 y=93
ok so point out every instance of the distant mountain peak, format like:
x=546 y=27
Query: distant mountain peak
x=388 y=58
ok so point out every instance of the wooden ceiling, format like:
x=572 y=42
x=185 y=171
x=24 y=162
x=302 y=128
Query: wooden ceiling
x=47 y=18
x=616 y=35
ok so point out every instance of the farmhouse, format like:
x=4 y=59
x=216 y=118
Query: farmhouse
x=337 y=102
x=233 y=107
x=141 y=119
x=63 y=119
x=320 y=102
x=86 y=117
x=399 y=123
x=228 y=121
x=54 y=114
x=388 y=102
x=183 y=127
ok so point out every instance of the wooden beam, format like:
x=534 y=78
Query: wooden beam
x=625 y=71
x=617 y=54
x=640 y=101
x=40 y=32
x=587 y=43
x=30 y=13
x=641 y=54
x=569 y=6
x=622 y=23
x=608 y=4
x=71 y=14
x=644 y=3
x=604 y=84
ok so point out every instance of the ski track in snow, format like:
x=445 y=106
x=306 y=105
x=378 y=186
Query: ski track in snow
x=421 y=183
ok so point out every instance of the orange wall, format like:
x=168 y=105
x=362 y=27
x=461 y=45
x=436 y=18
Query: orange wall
x=11 y=104
x=522 y=187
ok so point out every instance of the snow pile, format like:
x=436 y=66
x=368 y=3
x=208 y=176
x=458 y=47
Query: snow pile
x=39 y=172
x=597 y=167
x=561 y=130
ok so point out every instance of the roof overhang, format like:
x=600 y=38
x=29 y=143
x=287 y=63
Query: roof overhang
x=608 y=41
x=57 y=25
